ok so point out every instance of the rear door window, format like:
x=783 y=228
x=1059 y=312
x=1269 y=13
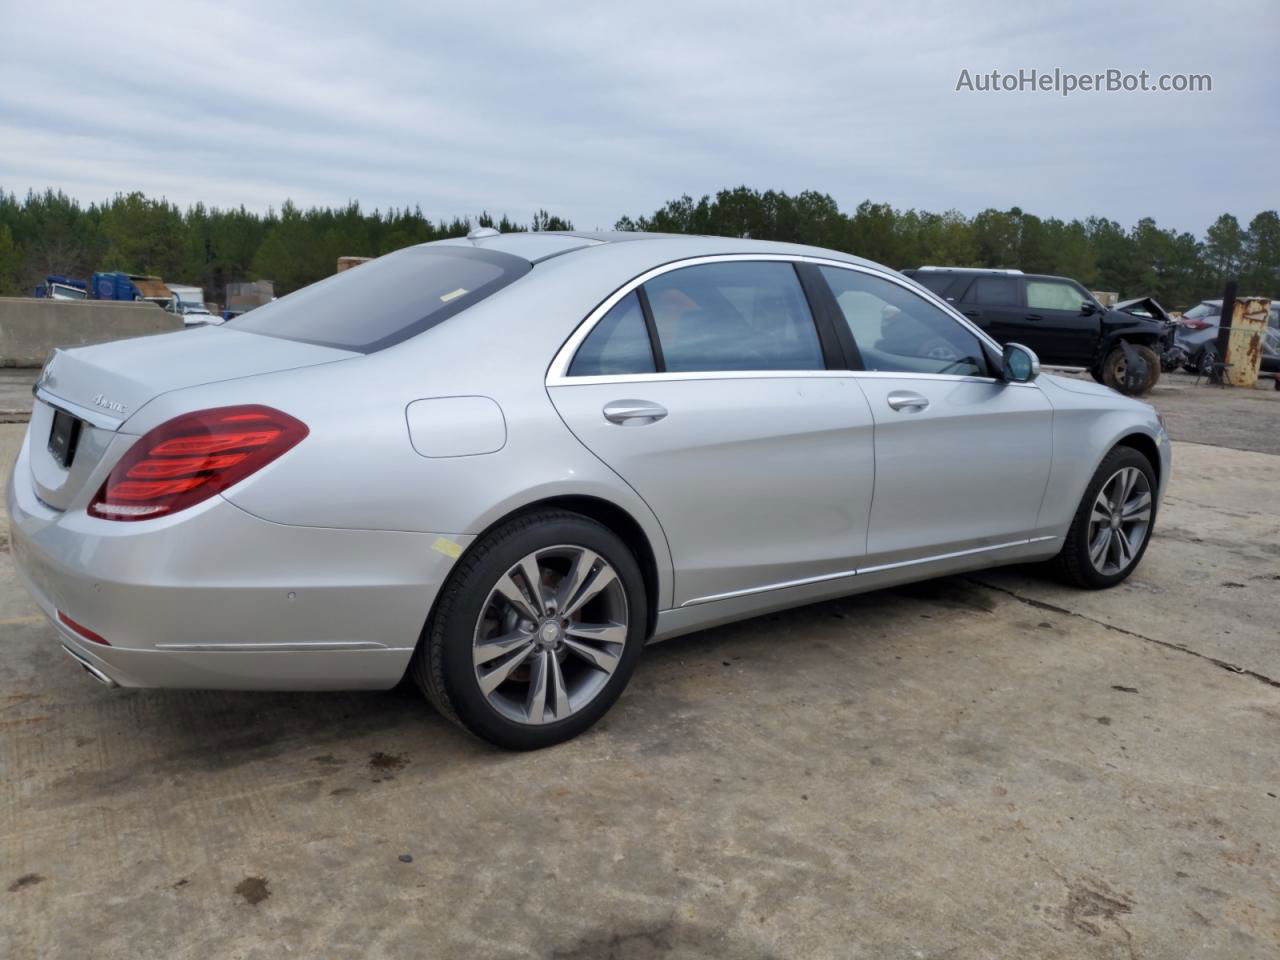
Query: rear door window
x=618 y=344
x=740 y=315
x=388 y=300
x=993 y=292
x=945 y=285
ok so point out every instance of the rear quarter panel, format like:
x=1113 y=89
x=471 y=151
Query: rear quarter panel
x=358 y=468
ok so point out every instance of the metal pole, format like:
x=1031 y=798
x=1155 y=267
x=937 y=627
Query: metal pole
x=1224 y=327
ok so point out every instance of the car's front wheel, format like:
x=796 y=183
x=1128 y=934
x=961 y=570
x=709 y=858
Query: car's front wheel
x=1113 y=524
x=536 y=632
x=1207 y=360
x=1115 y=370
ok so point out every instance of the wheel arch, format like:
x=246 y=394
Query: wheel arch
x=1146 y=446
x=1136 y=337
x=618 y=520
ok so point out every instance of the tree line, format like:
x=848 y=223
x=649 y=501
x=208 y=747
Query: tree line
x=50 y=233
x=1176 y=267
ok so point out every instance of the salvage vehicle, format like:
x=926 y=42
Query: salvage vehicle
x=188 y=303
x=504 y=463
x=1173 y=357
x=57 y=287
x=1197 y=335
x=115 y=285
x=1059 y=319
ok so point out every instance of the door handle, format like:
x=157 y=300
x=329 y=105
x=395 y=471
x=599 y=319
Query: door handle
x=1035 y=316
x=902 y=400
x=973 y=313
x=636 y=412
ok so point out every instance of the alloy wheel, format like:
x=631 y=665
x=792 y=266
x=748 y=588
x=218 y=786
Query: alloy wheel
x=550 y=634
x=1120 y=521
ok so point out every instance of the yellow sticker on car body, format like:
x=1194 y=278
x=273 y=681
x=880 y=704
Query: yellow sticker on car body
x=447 y=547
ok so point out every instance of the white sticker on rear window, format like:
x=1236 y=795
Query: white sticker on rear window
x=452 y=295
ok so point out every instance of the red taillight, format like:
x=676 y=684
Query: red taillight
x=192 y=457
x=1196 y=323
x=82 y=630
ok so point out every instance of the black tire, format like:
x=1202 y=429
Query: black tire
x=1206 y=357
x=1113 y=369
x=1096 y=373
x=442 y=664
x=1073 y=564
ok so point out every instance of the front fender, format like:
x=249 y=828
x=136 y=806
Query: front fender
x=1087 y=425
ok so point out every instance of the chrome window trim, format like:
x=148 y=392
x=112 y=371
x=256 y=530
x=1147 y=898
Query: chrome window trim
x=670 y=377
x=843 y=574
x=558 y=371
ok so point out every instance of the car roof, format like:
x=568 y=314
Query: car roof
x=543 y=245
x=988 y=272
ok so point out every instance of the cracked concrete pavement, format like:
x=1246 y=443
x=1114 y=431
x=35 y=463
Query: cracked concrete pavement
x=990 y=766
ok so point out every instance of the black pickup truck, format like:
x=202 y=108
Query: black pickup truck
x=1061 y=321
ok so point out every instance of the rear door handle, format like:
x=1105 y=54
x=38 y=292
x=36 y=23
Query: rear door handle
x=973 y=313
x=1035 y=316
x=903 y=400
x=636 y=412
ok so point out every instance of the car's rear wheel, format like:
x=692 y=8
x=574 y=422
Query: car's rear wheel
x=1115 y=369
x=536 y=632
x=1113 y=524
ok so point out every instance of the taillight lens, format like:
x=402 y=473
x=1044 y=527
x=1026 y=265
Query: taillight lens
x=81 y=629
x=192 y=457
x=1196 y=323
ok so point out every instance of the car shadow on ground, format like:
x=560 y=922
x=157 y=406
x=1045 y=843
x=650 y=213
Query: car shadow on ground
x=197 y=734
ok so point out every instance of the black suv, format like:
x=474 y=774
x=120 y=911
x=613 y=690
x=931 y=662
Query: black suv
x=1058 y=319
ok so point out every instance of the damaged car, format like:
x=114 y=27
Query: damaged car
x=1060 y=320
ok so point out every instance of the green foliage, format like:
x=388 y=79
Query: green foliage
x=1174 y=267
x=49 y=232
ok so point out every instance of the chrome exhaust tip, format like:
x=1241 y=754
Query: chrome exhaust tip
x=93 y=671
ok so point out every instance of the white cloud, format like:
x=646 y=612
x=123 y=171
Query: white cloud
x=598 y=110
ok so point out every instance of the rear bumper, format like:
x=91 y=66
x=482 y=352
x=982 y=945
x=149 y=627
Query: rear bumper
x=217 y=598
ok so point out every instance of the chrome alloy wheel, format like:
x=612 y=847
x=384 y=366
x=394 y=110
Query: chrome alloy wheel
x=1120 y=521
x=550 y=634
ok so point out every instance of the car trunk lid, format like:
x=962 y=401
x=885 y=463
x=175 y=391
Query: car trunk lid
x=98 y=388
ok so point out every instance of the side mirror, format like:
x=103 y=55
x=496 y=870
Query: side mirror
x=1021 y=365
x=1087 y=307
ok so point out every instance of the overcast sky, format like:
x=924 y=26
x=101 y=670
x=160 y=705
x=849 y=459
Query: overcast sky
x=593 y=110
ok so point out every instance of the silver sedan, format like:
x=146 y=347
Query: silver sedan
x=505 y=463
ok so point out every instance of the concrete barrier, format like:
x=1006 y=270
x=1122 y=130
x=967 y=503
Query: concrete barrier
x=30 y=328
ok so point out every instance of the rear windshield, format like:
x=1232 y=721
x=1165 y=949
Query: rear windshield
x=385 y=301
x=1202 y=310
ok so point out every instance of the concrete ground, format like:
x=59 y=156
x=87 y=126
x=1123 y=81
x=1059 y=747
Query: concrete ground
x=988 y=766
x=15 y=393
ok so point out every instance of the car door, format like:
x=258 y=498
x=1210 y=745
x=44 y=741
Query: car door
x=1066 y=333
x=994 y=303
x=962 y=458
x=706 y=386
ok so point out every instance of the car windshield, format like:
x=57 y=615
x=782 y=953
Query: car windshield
x=1201 y=310
x=385 y=301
